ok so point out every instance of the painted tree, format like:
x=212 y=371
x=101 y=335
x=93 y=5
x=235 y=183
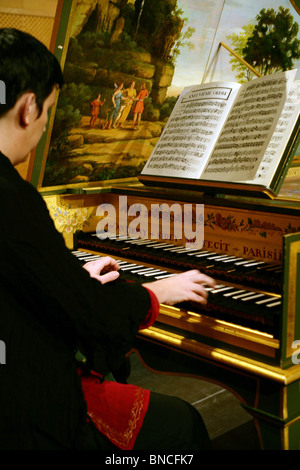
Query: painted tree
x=159 y=28
x=273 y=44
x=238 y=43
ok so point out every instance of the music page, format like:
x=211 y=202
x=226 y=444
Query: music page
x=191 y=131
x=280 y=137
x=249 y=128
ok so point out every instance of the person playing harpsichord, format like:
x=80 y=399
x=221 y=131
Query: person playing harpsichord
x=51 y=307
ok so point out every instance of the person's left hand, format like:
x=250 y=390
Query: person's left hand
x=104 y=269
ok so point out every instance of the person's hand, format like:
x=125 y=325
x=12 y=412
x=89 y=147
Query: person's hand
x=103 y=269
x=187 y=286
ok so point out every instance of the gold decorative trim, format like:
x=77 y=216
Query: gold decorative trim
x=251 y=340
x=291 y=301
x=205 y=184
x=222 y=357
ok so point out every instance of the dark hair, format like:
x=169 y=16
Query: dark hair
x=26 y=65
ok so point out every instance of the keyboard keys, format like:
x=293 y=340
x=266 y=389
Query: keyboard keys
x=234 y=303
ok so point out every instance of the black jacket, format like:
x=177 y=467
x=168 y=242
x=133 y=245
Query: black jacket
x=49 y=307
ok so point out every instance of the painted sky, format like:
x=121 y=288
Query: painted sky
x=227 y=16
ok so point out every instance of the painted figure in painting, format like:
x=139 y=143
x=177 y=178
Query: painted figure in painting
x=116 y=99
x=95 y=105
x=129 y=96
x=139 y=106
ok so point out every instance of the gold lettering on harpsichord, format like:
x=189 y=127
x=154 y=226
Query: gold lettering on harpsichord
x=216 y=245
x=264 y=253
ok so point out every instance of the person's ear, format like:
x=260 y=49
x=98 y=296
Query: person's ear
x=27 y=107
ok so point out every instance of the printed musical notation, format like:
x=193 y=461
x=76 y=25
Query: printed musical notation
x=189 y=135
x=244 y=143
x=280 y=136
x=226 y=132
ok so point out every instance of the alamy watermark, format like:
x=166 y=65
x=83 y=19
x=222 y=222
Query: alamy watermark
x=2 y=92
x=2 y=352
x=160 y=221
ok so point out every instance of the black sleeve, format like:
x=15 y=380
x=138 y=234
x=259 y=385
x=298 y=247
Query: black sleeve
x=101 y=320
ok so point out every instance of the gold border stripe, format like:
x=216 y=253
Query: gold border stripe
x=291 y=293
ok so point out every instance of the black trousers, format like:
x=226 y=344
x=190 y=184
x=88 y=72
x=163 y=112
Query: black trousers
x=170 y=424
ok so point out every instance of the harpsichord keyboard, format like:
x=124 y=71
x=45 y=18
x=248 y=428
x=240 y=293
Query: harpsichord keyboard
x=248 y=304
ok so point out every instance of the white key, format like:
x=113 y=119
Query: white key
x=257 y=263
x=241 y=296
x=204 y=255
x=152 y=273
x=264 y=301
x=229 y=294
x=241 y=263
x=232 y=259
x=139 y=268
x=164 y=276
x=127 y=267
x=160 y=245
x=143 y=270
x=256 y=296
x=219 y=257
x=274 y=304
x=197 y=253
x=216 y=291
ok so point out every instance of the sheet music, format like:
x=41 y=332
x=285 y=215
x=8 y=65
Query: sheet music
x=191 y=131
x=245 y=136
x=280 y=137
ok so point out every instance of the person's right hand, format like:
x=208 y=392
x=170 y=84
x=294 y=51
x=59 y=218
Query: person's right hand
x=187 y=286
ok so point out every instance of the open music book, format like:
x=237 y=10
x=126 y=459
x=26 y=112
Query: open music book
x=227 y=135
